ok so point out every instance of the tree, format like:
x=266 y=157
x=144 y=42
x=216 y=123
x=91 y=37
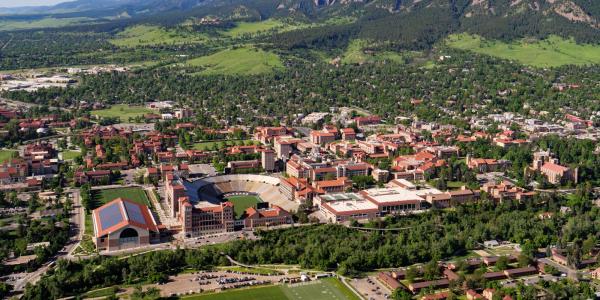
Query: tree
x=401 y=294
x=502 y=263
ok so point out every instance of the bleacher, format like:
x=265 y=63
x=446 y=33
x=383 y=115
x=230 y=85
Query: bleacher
x=266 y=187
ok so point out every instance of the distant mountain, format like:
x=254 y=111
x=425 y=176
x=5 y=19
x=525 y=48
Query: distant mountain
x=108 y=6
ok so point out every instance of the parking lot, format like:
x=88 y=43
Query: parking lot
x=210 y=281
x=370 y=288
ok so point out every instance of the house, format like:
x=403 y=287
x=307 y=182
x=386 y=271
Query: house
x=473 y=295
x=595 y=274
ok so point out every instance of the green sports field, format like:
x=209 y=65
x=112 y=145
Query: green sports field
x=122 y=111
x=240 y=203
x=134 y=194
x=326 y=289
x=551 y=52
x=68 y=155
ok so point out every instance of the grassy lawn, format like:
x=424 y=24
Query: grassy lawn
x=355 y=54
x=209 y=145
x=261 y=271
x=551 y=52
x=135 y=194
x=7 y=154
x=145 y=35
x=244 y=61
x=243 y=28
x=69 y=155
x=122 y=111
x=326 y=289
x=240 y=203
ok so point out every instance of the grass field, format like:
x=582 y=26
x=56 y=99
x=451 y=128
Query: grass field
x=133 y=193
x=551 y=52
x=145 y=35
x=240 y=203
x=326 y=289
x=41 y=23
x=241 y=61
x=207 y=146
x=7 y=154
x=68 y=155
x=262 y=271
x=355 y=54
x=243 y=28
x=122 y=111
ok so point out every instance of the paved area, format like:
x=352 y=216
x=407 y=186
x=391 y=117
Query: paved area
x=210 y=281
x=370 y=288
x=76 y=233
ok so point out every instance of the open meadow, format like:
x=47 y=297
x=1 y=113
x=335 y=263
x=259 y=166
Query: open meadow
x=146 y=35
x=551 y=52
x=241 y=61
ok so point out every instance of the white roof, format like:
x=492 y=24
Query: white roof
x=396 y=194
x=352 y=205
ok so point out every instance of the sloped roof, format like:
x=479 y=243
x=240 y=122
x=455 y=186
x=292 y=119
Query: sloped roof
x=119 y=213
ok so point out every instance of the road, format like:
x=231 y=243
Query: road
x=77 y=230
x=561 y=268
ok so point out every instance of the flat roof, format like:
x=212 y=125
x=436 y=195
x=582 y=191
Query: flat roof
x=398 y=194
x=351 y=206
x=340 y=197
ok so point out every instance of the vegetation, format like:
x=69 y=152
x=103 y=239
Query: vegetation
x=249 y=28
x=134 y=194
x=434 y=235
x=244 y=61
x=551 y=52
x=146 y=35
x=123 y=112
x=241 y=203
x=69 y=155
x=7 y=155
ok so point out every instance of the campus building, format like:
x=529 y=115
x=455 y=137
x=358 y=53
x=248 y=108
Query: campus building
x=123 y=224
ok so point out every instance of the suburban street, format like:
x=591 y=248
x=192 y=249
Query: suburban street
x=76 y=231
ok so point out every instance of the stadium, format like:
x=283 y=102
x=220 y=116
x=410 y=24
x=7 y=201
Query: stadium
x=241 y=188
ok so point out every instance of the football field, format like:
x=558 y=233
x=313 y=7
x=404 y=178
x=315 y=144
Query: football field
x=325 y=289
x=240 y=203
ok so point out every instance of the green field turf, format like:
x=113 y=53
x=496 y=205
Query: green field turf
x=68 y=155
x=243 y=61
x=7 y=154
x=210 y=145
x=122 y=111
x=551 y=52
x=240 y=203
x=327 y=289
x=133 y=193
x=145 y=35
